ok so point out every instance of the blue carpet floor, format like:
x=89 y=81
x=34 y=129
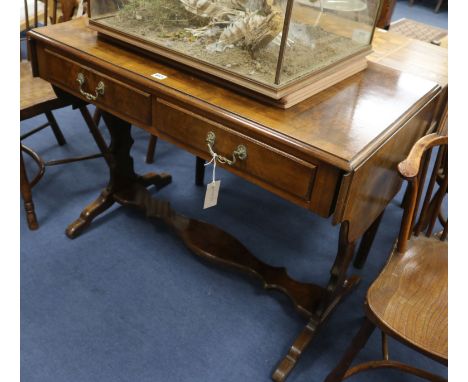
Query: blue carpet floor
x=422 y=11
x=127 y=302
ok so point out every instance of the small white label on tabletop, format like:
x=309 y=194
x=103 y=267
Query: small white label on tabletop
x=211 y=196
x=361 y=36
x=159 y=76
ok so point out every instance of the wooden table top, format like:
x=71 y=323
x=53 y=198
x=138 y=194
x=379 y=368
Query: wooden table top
x=410 y=56
x=342 y=125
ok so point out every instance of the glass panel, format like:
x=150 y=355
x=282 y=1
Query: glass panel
x=244 y=36
x=323 y=32
x=240 y=36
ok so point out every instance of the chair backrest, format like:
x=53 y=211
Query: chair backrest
x=39 y=12
x=414 y=169
x=73 y=8
x=45 y=12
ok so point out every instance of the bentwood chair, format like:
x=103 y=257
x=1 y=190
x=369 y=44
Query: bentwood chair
x=38 y=97
x=408 y=300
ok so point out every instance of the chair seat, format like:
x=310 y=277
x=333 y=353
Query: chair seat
x=36 y=94
x=409 y=297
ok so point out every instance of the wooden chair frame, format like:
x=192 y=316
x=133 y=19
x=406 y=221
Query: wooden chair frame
x=413 y=169
x=46 y=107
x=26 y=185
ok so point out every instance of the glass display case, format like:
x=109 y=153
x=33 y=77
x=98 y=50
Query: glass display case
x=279 y=50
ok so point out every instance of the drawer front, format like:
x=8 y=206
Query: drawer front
x=267 y=166
x=117 y=96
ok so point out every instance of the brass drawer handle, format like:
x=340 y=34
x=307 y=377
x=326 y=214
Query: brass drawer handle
x=90 y=97
x=240 y=152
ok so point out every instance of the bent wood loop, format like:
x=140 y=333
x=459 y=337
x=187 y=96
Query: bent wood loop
x=26 y=194
x=389 y=364
x=412 y=170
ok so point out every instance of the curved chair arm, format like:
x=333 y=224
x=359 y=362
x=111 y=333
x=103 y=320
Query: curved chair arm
x=409 y=168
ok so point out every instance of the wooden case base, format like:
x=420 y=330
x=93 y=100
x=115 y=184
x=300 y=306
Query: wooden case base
x=283 y=97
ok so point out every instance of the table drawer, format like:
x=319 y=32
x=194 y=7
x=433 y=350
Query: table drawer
x=117 y=96
x=270 y=167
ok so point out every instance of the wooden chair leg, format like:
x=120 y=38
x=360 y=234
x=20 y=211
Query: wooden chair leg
x=55 y=128
x=199 y=171
x=338 y=373
x=151 y=149
x=26 y=194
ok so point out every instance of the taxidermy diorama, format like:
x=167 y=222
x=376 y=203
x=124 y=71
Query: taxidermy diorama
x=282 y=51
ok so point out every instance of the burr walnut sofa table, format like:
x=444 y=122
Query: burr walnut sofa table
x=335 y=154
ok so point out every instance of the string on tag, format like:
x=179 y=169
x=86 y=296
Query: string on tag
x=212 y=189
x=213 y=160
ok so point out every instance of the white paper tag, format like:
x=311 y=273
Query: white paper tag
x=159 y=76
x=211 y=196
x=361 y=36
